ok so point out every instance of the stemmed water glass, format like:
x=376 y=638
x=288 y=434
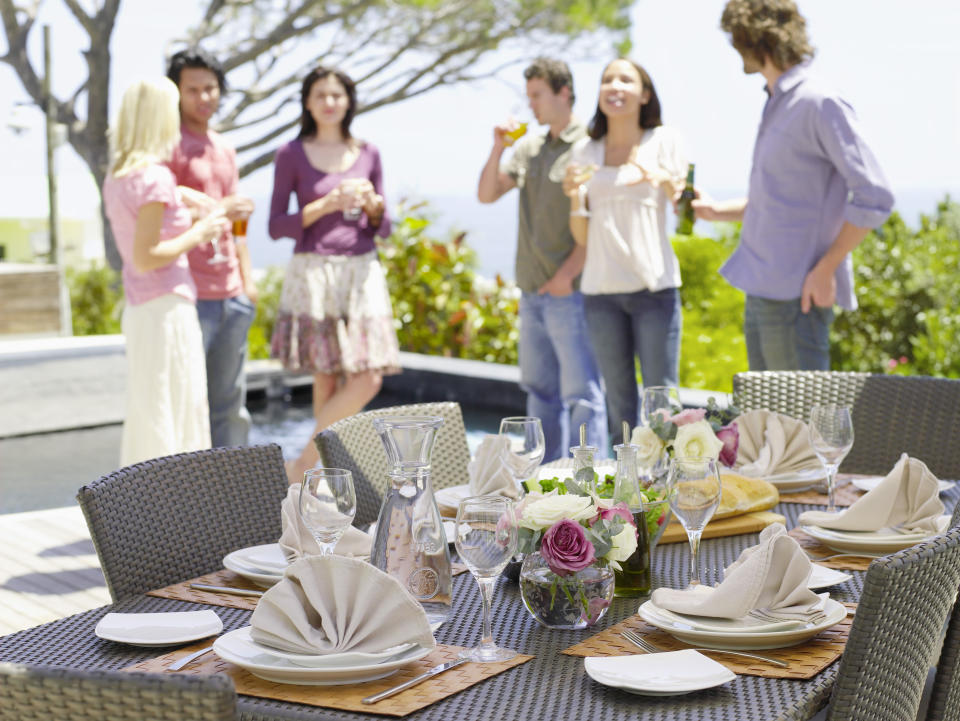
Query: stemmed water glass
x=486 y=539
x=328 y=504
x=657 y=398
x=831 y=435
x=525 y=446
x=694 y=490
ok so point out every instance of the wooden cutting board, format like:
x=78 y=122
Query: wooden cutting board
x=747 y=523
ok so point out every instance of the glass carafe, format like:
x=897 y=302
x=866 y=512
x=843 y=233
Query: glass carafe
x=634 y=578
x=410 y=543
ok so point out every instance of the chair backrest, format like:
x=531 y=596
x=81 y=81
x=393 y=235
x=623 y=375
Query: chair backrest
x=37 y=692
x=945 y=697
x=353 y=443
x=918 y=415
x=173 y=518
x=896 y=630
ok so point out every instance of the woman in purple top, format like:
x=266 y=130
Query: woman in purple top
x=335 y=320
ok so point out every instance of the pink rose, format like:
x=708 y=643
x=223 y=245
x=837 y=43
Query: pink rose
x=565 y=548
x=691 y=415
x=594 y=609
x=730 y=435
x=618 y=509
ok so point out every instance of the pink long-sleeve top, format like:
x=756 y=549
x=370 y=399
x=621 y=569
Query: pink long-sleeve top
x=331 y=234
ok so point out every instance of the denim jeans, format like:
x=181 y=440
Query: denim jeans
x=625 y=326
x=559 y=373
x=780 y=337
x=224 y=324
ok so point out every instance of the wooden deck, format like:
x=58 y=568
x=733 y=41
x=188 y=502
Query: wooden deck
x=48 y=568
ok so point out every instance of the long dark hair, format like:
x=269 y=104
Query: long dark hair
x=649 y=111
x=308 y=126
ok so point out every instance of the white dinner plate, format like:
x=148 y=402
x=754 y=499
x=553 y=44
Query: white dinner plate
x=823 y=577
x=885 y=540
x=868 y=483
x=798 y=480
x=451 y=495
x=244 y=562
x=158 y=629
x=238 y=648
x=662 y=674
x=743 y=640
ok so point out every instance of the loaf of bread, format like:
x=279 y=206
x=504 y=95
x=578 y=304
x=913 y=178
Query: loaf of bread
x=745 y=495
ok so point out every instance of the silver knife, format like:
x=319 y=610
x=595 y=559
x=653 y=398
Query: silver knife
x=414 y=681
x=226 y=589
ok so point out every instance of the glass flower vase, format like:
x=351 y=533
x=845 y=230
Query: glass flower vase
x=575 y=601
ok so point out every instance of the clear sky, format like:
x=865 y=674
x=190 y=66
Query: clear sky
x=897 y=63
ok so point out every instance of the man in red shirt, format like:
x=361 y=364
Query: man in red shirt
x=226 y=292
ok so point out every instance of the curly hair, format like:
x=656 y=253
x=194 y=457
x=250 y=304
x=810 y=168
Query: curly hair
x=772 y=29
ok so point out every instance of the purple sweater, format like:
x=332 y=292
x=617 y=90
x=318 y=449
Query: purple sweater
x=331 y=234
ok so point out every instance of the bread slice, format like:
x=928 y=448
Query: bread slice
x=745 y=495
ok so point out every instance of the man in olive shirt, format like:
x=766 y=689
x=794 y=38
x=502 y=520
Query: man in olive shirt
x=557 y=367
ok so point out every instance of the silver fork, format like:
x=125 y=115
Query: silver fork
x=638 y=640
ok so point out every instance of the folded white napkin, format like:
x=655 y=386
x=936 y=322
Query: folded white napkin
x=296 y=540
x=489 y=476
x=772 y=444
x=334 y=604
x=908 y=498
x=767 y=581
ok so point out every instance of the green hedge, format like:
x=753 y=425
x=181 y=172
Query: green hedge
x=906 y=282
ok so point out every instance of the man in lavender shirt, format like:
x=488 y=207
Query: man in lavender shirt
x=815 y=192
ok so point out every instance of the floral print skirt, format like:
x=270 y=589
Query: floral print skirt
x=335 y=316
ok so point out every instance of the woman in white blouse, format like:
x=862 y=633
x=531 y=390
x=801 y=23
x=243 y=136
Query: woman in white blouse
x=631 y=276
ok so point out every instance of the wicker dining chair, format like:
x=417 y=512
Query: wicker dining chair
x=169 y=519
x=38 y=692
x=354 y=444
x=918 y=415
x=896 y=631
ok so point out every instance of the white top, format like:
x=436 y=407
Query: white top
x=627 y=244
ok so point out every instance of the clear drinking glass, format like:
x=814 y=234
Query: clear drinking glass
x=328 y=504
x=486 y=540
x=351 y=187
x=831 y=435
x=693 y=490
x=525 y=448
x=582 y=176
x=657 y=398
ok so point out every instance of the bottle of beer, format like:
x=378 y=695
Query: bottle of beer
x=685 y=216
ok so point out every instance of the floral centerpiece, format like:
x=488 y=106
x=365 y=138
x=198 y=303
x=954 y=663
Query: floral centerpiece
x=573 y=542
x=707 y=432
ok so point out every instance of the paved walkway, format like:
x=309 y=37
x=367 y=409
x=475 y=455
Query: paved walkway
x=48 y=568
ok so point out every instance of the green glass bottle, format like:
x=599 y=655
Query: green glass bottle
x=634 y=579
x=685 y=215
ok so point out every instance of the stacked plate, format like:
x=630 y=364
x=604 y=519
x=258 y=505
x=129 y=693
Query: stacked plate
x=661 y=674
x=270 y=664
x=797 y=481
x=264 y=565
x=742 y=633
x=884 y=540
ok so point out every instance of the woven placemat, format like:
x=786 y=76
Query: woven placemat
x=844 y=494
x=348 y=697
x=183 y=592
x=815 y=548
x=806 y=660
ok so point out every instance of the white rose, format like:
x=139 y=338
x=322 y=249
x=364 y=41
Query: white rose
x=542 y=514
x=649 y=446
x=697 y=440
x=624 y=544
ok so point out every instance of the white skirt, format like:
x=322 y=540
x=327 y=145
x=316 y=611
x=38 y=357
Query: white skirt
x=167 y=409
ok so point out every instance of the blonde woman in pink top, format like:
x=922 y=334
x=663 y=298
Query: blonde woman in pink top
x=166 y=408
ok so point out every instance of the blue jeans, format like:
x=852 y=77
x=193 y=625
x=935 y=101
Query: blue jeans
x=224 y=324
x=559 y=373
x=625 y=326
x=780 y=337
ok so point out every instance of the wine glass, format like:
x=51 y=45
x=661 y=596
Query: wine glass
x=693 y=491
x=328 y=504
x=831 y=435
x=486 y=539
x=582 y=175
x=657 y=398
x=525 y=446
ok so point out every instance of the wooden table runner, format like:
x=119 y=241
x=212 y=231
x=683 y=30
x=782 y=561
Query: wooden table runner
x=814 y=547
x=806 y=660
x=183 y=592
x=347 y=697
x=747 y=523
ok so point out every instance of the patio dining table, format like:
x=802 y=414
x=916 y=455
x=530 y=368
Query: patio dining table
x=551 y=686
